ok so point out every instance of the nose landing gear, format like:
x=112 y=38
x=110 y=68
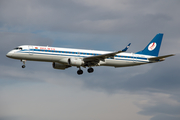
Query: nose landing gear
x=23 y=66
x=24 y=61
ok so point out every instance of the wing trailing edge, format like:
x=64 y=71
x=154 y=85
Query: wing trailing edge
x=104 y=56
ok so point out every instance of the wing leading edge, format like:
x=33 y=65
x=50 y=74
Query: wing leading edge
x=104 y=56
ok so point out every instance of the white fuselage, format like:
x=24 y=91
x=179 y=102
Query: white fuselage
x=60 y=55
x=63 y=58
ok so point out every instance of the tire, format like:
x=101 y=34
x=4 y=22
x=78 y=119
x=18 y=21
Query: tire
x=23 y=66
x=79 y=72
x=90 y=70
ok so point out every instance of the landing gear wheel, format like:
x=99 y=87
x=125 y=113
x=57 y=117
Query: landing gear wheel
x=23 y=66
x=90 y=70
x=24 y=61
x=79 y=72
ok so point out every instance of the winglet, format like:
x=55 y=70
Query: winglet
x=125 y=49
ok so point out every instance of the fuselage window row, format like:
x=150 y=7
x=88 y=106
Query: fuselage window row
x=120 y=56
x=66 y=52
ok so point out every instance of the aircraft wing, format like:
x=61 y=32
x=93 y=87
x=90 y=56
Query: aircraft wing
x=161 y=58
x=104 y=56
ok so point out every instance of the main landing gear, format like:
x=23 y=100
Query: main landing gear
x=24 y=61
x=90 y=70
x=80 y=72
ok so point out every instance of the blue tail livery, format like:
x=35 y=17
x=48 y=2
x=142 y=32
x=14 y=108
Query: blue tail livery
x=153 y=47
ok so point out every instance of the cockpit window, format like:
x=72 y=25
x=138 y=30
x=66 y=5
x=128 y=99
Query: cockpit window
x=18 y=48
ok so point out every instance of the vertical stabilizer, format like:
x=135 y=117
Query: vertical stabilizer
x=153 y=47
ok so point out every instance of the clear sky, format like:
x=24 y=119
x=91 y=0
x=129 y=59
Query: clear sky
x=39 y=92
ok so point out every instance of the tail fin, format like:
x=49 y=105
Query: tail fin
x=153 y=47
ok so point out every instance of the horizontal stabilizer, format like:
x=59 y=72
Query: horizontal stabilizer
x=160 y=57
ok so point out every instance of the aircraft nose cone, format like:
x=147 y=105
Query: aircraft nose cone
x=9 y=54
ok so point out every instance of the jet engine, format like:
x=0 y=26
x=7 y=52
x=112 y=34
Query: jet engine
x=75 y=61
x=59 y=66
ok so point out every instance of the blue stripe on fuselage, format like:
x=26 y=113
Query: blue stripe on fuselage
x=80 y=54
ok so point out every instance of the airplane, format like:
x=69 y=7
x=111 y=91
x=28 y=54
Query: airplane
x=63 y=58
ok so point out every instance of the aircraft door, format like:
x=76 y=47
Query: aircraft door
x=31 y=50
x=134 y=58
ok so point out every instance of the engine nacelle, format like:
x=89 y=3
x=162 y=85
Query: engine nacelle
x=59 y=66
x=75 y=61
